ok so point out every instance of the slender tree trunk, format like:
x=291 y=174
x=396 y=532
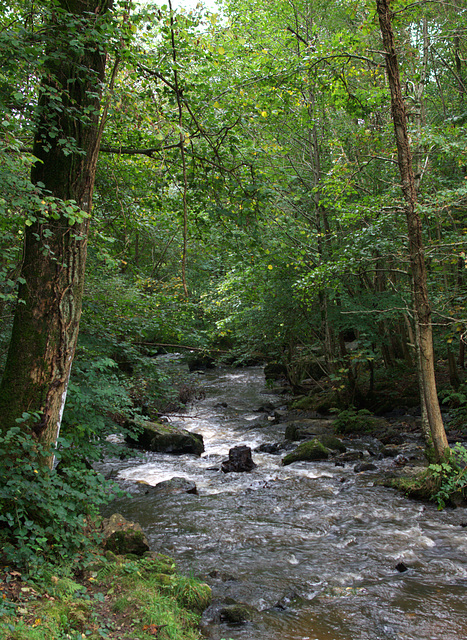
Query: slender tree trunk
x=45 y=328
x=427 y=381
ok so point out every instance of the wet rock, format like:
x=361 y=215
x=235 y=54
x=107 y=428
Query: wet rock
x=230 y=612
x=349 y=456
x=274 y=448
x=173 y=486
x=280 y=415
x=286 y=601
x=165 y=438
x=391 y=436
x=239 y=460
x=301 y=429
x=390 y=451
x=267 y=407
x=333 y=443
x=123 y=537
x=311 y=450
x=365 y=466
x=223 y=577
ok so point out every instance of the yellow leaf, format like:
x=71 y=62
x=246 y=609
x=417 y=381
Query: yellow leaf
x=269 y=266
x=264 y=114
x=217 y=105
x=221 y=50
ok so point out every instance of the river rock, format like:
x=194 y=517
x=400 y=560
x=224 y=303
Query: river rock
x=173 y=486
x=165 y=438
x=123 y=537
x=239 y=460
x=311 y=450
x=350 y=456
x=273 y=448
x=306 y=428
x=233 y=613
x=365 y=466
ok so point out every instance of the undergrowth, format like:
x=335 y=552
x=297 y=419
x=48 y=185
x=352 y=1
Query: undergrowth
x=45 y=514
x=112 y=597
x=444 y=483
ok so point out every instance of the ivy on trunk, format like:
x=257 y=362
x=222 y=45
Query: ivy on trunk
x=45 y=329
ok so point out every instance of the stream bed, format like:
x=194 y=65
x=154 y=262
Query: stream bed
x=312 y=547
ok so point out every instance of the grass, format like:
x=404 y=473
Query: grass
x=113 y=597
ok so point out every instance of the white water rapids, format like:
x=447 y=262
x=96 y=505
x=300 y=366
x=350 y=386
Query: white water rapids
x=312 y=547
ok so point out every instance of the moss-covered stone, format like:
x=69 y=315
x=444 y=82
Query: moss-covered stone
x=123 y=537
x=235 y=614
x=333 y=443
x=359 y=422
x=307 y=429
x=165 y=438
x=305 y=403
x=311 y=450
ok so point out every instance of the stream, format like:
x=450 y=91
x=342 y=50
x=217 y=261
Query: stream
x=311 y=546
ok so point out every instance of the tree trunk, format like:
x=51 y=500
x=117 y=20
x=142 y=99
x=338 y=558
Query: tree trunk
x=427 y=381
x=45 y=328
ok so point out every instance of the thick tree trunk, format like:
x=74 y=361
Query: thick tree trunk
x=46 y=322
x=427 y=381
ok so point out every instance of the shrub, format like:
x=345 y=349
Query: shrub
x=45 y=514
x=449 y=478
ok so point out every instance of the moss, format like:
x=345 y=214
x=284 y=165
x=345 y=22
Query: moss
x=304 y=403
x=127 y=543
x=310 y=450
x=235 y=614
x=139 y=601
x=355 y=422
x=333 y=443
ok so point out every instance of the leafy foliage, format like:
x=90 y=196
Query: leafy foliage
x=449 y=478
x=45 y=514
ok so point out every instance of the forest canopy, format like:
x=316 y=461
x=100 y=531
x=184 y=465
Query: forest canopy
x=236 y=183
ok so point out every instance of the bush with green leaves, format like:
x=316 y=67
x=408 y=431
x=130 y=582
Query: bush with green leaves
x=449 y=477
x=45 y=514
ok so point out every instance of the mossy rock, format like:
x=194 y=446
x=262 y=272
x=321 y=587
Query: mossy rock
x=164 y=438
x=235 y=614
x=123 y=537
x=350 y=422
x=333 y=443
x=305 y=403
x=308 y=428
x=310 y=450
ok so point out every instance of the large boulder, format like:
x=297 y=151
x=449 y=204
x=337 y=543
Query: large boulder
x=172 y=487
x=123 y=537
x=165 y=438
x=239 y=460
x=311 y=450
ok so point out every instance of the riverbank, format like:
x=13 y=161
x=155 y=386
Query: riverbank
x=104 y=596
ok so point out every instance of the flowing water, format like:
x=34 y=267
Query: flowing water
x=312 y=547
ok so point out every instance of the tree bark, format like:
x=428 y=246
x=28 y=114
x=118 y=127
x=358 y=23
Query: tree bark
x=427 y=382
x=46 y=322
